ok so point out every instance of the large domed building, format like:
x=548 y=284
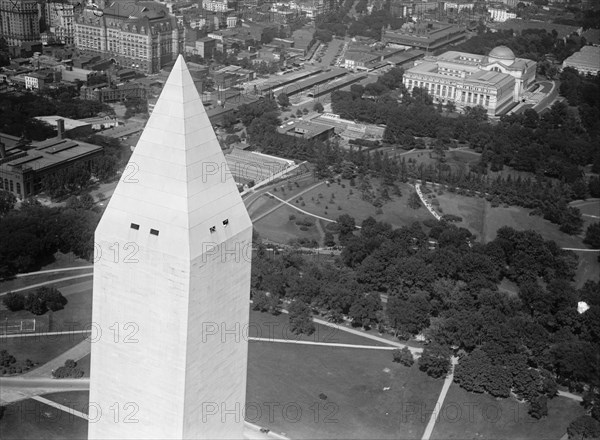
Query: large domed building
x=495 y=81
x=502 y=54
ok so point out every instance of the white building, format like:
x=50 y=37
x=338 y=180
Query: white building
x=215 y=5
x=586 y=61
x=500 y=14
x=468 y=80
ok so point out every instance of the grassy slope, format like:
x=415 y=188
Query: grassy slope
x=480 y=416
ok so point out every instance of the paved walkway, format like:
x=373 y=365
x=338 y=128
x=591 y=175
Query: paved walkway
x=325 y=344
x=61 y=407
x=29 y=335
x=310 y=188
x=64 y=269
x=45 y=283
x=440 y=402
x=302 y=210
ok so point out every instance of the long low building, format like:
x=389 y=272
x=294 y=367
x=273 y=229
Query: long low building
x=494 y=82
x=312 y=82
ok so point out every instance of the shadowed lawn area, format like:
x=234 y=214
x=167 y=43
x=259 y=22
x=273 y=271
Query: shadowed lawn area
x=481 y=416
x=30 y=419
x=40 y=349
x=265 y=325
x=357 y=407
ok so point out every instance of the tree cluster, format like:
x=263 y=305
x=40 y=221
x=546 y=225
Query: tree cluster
x=68 y=370
x=37 y=302
x=31 y=236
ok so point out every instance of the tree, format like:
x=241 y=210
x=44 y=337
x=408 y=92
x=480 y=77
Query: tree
x=435 y=360
x=408 y=316
x=414 y=201
x=346 y=225
x=300 y=318
x=538 y=407
x=403 y=356
x=7 y=202
x=329 y=240
x=584 y=428
x=592 y=235
x=14 y=301
x=364 y=310
x=318 y=107
x=283 y=100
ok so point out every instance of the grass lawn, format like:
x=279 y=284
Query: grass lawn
x=30 y=419
x=40 y=349
x=353 y=381
x=278 y=227
x=396 y=212
x=480 y=416
x=266 y=325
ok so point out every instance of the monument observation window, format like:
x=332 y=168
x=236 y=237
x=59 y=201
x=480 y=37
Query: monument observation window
x=153 y=231
x=134 y=226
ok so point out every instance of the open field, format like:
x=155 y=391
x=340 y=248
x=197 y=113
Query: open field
x=481 y=416
x=353 y=380
x=456 y=159
x=30 y=419
x=396 y=212
x=277 y=226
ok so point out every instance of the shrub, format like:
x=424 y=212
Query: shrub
x=292 y=217
x=403 y=356
x=14 y=301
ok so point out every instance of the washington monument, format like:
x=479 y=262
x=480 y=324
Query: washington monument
x=171 y=284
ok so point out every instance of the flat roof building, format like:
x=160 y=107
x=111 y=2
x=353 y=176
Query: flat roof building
x=22 y=171
x=468 y=80
x=306 y=130
x=586 y=61
x=425 y=36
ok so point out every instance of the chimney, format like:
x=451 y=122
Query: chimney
x=60 y=127
x=2 y=151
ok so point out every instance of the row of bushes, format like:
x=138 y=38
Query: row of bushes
x=38 y=302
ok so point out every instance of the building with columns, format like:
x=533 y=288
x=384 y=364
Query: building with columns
x=141 y=35
x=495 y=81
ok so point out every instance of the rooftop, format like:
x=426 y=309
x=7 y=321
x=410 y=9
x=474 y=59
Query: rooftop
x=70 y=124
x=49 y=153
x=588 y=57
x=305 y=128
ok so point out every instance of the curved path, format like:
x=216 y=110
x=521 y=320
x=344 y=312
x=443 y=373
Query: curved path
x=45 y=283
